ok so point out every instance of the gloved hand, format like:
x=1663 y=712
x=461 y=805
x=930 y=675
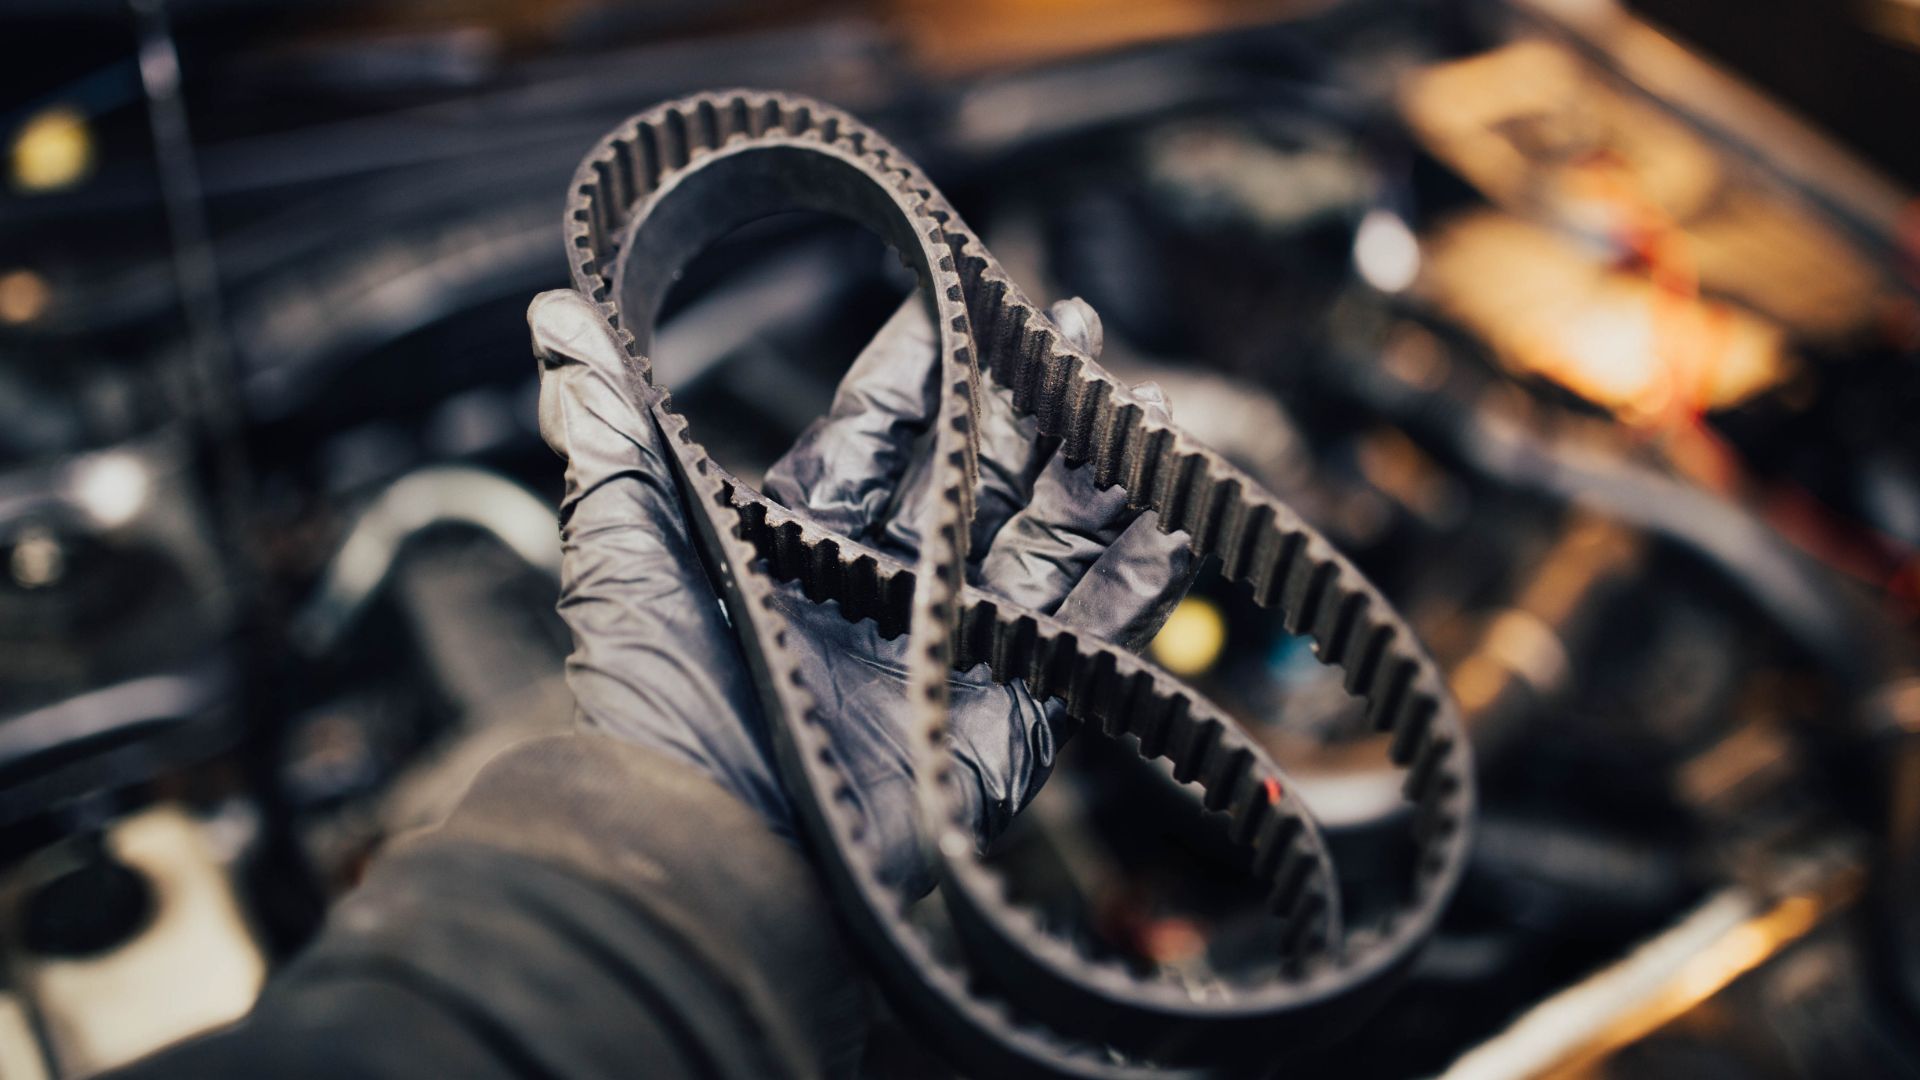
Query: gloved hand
x=655 y=661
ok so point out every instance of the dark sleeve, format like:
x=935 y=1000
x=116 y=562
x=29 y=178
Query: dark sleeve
x=591 y=909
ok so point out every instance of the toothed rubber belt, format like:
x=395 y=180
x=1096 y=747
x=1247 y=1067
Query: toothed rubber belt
x=999 y=993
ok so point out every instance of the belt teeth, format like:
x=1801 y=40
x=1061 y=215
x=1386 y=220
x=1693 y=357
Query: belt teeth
x=736 y=121
x=1272 y=572
x=1307 y=583
x=987 y=325
x=1219 y=518
x=1275 y=838
x=1152 y=477
x=766 y=117
x=1290 y=879
x=1153 y=734
x=863 y=597
x=674 y=151
x=826 y=573
x=706 y=126
x=1135 y=691
x=1411 y=733
x=1243 y=536
x=1390 y=695
x=1116 y=437
x=1203 y=736
x=1223 y=775
x=1366 y=663
x=1303 y=925
x=1424 y=778
x=1014 y=648
x=1252 y=808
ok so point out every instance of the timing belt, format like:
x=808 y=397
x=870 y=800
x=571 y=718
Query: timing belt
x=999 y=992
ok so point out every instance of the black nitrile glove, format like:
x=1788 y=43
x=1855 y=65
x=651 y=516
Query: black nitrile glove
x=655 y=662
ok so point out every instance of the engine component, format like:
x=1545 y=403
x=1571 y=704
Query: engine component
x=672 y=181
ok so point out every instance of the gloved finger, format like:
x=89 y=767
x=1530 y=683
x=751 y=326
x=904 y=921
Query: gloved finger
x=844 y=469
x=1046 y=548
x=1012 y=455
x=1000 y=735
x=589 y=415
x=1133 y=586
x=654 y=661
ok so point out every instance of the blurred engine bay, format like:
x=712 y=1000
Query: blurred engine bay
x=1600 y=362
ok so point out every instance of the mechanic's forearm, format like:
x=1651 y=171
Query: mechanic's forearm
x=591 y=909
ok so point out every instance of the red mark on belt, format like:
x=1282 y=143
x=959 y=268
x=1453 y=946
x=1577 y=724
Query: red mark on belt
x=1273 y=790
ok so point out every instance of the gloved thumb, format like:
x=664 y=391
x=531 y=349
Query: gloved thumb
x=592 y=413
x=654 y=661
